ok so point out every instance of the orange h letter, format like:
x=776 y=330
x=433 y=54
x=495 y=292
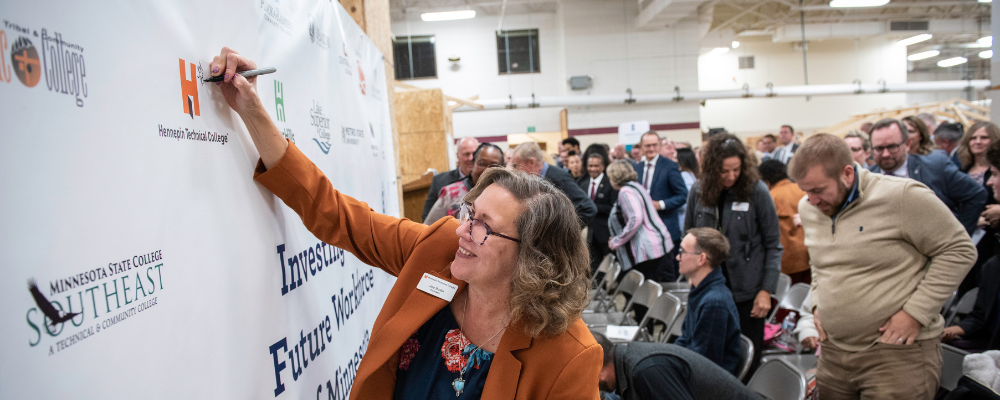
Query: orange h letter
x=189 y=90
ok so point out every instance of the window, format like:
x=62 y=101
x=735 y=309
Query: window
x=414 y=56
x=517 y=51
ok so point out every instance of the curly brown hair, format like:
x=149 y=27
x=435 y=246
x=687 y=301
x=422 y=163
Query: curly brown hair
x=549 y=288
x=720 y=147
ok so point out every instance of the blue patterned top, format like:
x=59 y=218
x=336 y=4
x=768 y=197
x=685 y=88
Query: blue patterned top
x=434 y=356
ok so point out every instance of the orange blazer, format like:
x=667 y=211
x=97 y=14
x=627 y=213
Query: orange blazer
x=565 y=366
x=786 y=197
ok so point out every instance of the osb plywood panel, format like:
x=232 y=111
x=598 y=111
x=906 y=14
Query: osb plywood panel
x=420 y=111
x=421 y=150
x=357 y=10
x=378 y=26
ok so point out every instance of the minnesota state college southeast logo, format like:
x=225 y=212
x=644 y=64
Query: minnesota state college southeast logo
x=24 y=57
x=189 y=89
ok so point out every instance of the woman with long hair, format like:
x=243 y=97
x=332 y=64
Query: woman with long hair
x=972 y=156
x=487 y=305
x=920 y=138
x=730 y=197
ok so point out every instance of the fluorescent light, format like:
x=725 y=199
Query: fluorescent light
x=719 y=50
x=915 y=39
x=921 y=56
x=736 y=44
x=857 y=3
x=951 y=62
x=985 y=1
x=448 y=15
x=985 y=41
x=986 y=54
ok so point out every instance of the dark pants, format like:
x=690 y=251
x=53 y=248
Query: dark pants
x=597 y=253
x=752 y=328
x=801 y=277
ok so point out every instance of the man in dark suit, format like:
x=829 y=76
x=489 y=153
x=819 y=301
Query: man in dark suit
x=947 y=137
x=958 y=191
x=598 y=188
x=465 y=150
x=528 y=157
x=667 y=189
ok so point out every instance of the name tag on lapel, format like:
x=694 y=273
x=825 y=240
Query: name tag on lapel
x=740 y=206
x=437 y=287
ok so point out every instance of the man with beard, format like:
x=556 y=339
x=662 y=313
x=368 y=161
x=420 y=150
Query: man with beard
x=964 y=197
x=885 y=254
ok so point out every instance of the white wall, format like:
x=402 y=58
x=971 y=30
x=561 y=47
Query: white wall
x=830 y=61
x=581 y=37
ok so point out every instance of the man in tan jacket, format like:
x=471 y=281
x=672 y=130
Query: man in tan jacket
x=885 y=253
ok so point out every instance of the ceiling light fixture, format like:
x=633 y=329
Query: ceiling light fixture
x=448 y=15
x=736 y=44
x=985 y=41
x=719 y=50
x=986 y=54
x=923 y=55
x=951 y=62
x=857 y=3
x=985 y=1
x=915 y=39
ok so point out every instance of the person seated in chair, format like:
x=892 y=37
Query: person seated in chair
x=651 y=371
x=712 y=326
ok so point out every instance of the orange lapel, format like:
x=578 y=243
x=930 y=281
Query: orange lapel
x=418 y=308
x=505 y=371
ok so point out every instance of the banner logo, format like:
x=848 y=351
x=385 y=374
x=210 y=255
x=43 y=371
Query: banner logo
x=46 y=307
x=64 y=66
x=361 y=77
x=279 y=101
x=24 y=57
x=322 y=125
x=189 y=90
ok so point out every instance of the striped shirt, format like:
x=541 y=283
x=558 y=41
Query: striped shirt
x=643 y=231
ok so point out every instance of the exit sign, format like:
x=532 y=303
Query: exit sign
x=531 y=129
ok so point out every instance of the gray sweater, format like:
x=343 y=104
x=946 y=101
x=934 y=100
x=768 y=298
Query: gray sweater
x=754 y=262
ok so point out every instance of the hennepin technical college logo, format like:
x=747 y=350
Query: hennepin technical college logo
x=189 y=89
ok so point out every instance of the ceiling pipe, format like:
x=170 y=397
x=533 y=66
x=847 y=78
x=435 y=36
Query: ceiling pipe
x=774 y=91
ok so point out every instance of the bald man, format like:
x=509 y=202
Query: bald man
x=465 y=150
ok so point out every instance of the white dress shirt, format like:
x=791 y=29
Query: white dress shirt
x=647 y=176
x=594 y=184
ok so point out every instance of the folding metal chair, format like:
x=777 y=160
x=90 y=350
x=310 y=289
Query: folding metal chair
x=951 y=366
x=746 y=356
x=602 y=269
x=644 y=296
x=600 y=297
x=779 y=380
x=793 y=299
x=664 y=310
x=963 y=307
x=784 y=282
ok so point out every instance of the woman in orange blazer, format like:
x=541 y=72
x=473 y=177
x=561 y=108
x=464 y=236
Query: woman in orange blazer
x=512 y=329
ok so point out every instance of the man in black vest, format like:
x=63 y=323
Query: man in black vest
x=651 y=371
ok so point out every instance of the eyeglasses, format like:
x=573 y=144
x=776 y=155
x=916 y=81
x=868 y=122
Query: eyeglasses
x=478 y=229
x=681 y=251
x=892 y=148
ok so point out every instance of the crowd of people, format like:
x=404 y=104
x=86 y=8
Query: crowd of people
x=489 y=304
x=729 y=219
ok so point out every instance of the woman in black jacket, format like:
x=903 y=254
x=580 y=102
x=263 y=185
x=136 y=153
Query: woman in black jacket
x=729 y=197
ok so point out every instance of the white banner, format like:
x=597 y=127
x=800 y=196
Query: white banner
x=158 y=267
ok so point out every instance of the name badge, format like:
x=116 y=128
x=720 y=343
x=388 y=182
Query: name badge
x=740 y=206
x=437 y=287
